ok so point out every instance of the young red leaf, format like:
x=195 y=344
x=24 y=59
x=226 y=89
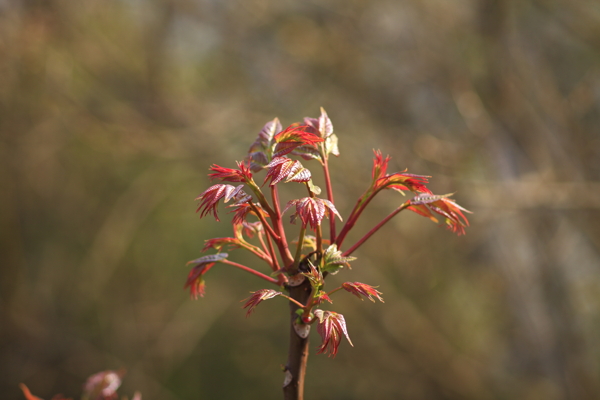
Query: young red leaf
x=261 y=151
x=312 y=210
x=281 y=168
x=265 y=137
x=424 y=204
x=294 y=136
x=321 y=297
x=360 y=289
x=379 y=165
x=331 y=326
x=398 y=181
x=248 y=228
x=321 y=126
x=257 y=297
x=195 y=280
x=218 y=243
x=242 y=174
x=211 y=196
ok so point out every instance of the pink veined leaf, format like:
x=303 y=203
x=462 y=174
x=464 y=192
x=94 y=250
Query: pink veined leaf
x=312 y=210
x=268 y=131
x=453 y=214
x=242 y=209
x=321 y=126
x=360 y=289
x=307 y=152
x=281 y=168
x=331 y=327
x=261 y=150
x=325 y=125
x=265 y=137
x=211 y=196
x=257 y=160
x=284 y=148
x=257 y=297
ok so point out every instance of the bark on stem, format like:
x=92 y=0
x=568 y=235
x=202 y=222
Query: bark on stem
x=298 y=347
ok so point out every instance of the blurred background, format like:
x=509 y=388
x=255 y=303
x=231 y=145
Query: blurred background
x=111 y=112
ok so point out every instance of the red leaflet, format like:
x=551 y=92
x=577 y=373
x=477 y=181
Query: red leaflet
x=294 y=136
x=218 y=243
x=257 y=297
x=248 y=228
x=321 y=126
x=321 y=297
x=242 y=174
x=423 y=204
x=379 y=165
x=360 y=289
x=211 y=196
x=281 y=168
x=402 y=181
x=398 y=181
x=312 y=210
x=195 y=279
x=331 y=327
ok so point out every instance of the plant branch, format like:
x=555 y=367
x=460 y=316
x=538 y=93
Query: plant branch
x=375 y=229
x=361 y=204
x=330 y=198
x=294 y=267
x=286 y=255
x=298 y=346
x=252 y=271
x=266 y=225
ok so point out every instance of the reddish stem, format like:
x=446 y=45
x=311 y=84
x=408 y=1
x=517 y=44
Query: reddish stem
x=361 y=203
x=375 y=229
x=266 y=225
x=252 y=271
x=330 y=198
x=286 y=255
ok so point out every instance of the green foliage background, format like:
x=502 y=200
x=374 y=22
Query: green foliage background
x=111 y=112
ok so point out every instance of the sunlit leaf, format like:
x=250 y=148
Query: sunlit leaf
x=257 y=297
x=331 y=326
